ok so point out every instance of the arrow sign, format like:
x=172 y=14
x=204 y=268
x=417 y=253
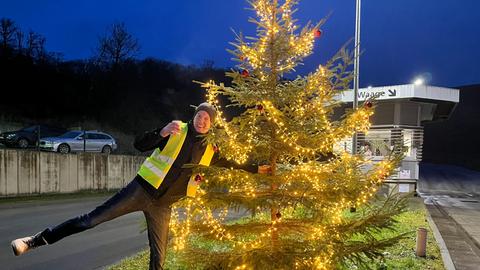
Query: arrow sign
x=392 y=93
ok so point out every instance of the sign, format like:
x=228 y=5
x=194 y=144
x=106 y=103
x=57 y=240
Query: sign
x=403 y=188
x=404 y=174
x=377 y=94
x=401 y=92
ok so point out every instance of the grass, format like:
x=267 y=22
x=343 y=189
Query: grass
x=400 y=256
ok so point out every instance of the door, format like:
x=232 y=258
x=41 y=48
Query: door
x=91 y=142
x=96 y=142
x=77 y=143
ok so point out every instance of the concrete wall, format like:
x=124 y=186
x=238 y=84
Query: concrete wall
x=33 y=172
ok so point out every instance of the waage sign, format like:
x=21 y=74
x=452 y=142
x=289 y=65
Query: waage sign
x=377 y=93
x=364 y=94
x=405 y=91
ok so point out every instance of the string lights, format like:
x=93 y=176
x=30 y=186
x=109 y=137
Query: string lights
x=287 y=125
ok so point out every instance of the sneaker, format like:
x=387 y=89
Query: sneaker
x=22 y=245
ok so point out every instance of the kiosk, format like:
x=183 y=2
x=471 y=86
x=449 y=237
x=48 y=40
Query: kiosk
x=400 y=112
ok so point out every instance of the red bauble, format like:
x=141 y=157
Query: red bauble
x=317 y=33
x=368 y=104
x=245 y=73
x=260 y=107
x=264 y=169
x=278 y=215
x=198 y=178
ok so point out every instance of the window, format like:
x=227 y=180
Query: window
x=71 y=134
x=30 y=129
x=375 y=142
x=92 y=136
x=104 y=137
x=413 y=140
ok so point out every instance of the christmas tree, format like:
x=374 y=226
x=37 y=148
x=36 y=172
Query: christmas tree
x=299 y=200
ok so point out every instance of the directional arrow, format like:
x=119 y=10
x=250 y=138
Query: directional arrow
x=392 y=93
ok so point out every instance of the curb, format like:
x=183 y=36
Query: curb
x=447 y=260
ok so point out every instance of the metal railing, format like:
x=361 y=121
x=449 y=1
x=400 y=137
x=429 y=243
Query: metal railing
x=380 y=141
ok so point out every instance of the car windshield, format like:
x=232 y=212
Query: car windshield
x=70 y=134
x=30 y=129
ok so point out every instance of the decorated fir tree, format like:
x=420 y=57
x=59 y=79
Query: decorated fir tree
x=299 y=200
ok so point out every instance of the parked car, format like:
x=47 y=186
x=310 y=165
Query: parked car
x=29 y=136
x=79 y=141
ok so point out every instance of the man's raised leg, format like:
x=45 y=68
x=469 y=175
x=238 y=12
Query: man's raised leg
x=129 y=199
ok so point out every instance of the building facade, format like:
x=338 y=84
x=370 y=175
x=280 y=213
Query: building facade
x=400 y=113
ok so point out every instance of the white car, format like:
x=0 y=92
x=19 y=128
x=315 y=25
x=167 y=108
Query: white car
x=79 y=141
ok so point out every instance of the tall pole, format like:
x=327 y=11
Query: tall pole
x=356 y=67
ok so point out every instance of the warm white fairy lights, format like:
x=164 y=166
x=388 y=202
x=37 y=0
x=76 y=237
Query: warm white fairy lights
x=290 y=120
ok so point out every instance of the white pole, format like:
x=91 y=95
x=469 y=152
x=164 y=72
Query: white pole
x=356 y=67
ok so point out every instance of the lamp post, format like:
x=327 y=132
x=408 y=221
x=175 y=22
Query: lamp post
x=356 y=67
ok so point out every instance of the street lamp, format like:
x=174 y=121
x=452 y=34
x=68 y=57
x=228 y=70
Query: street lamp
x=419 y=81
x=356 y=67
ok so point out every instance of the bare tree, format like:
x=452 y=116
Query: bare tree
x=32 y=43
x=7 y=32
x=40 y=51
x=117 y=45
x=19 y=39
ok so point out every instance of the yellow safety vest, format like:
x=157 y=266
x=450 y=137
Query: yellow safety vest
x=155 y=168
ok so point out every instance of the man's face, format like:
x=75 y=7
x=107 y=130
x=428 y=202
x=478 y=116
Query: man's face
x=201 y=122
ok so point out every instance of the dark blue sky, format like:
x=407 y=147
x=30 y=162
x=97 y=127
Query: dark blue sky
x=401 y=38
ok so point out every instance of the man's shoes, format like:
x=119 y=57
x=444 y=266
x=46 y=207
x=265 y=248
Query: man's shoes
x=22 y=245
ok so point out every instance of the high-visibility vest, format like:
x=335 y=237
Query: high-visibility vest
x=155 y=168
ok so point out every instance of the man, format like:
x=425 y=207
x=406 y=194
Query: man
x=160 y=182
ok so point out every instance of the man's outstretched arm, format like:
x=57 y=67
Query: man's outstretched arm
x=222 y=162
x=156 y=138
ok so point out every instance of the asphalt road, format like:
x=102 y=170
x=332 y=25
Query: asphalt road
x=451 y=180
x=452 y=197
x=92 y=249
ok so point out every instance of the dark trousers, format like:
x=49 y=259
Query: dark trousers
x=136 y=196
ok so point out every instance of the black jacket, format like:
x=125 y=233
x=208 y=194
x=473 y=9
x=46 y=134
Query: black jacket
x=191 y=153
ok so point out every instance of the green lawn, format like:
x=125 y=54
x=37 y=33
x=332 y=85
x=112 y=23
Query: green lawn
x=401 y=256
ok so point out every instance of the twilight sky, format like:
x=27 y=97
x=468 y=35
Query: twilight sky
x=439 y=39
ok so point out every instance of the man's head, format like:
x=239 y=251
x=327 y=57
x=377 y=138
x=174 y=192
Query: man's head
x=203 y=118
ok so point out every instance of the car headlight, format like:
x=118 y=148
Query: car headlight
x=9 y=136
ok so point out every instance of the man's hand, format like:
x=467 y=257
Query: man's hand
x=171 y=128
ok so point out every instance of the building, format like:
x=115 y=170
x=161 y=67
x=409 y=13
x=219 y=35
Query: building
x=400 y=113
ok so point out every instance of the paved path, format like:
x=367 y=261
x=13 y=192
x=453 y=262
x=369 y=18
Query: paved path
x=92 y=249
x=456 y=228
x=452 y=197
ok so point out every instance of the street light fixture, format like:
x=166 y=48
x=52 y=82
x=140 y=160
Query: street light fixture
x=419 y=81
